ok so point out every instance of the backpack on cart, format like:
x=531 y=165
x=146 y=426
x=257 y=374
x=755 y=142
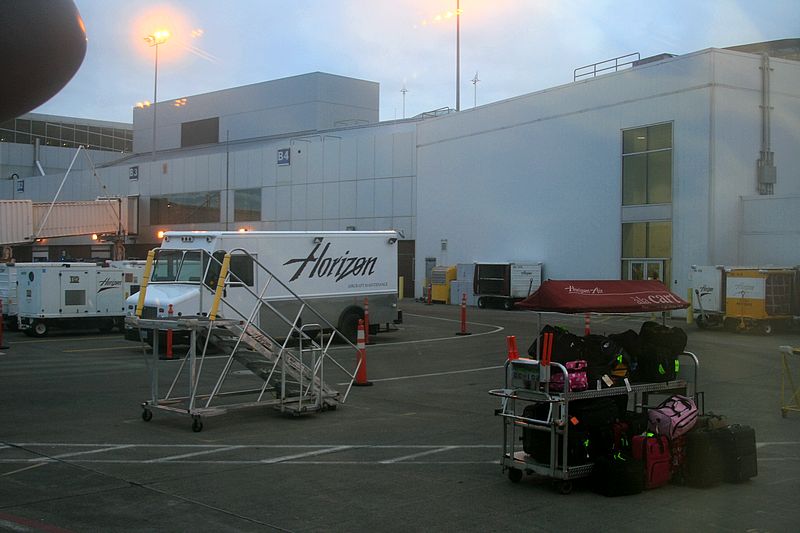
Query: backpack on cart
x=577 y=377
x=660 y=348
x=608 y=362
x=566 y=346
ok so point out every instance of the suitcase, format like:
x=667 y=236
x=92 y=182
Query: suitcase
x=654 y=452
x=704 y=467
x=674 y=339
x=711 y=421
x=737 y=446
x=536 y=443
x=677 y=448
x=566 y=346
x=618 y=475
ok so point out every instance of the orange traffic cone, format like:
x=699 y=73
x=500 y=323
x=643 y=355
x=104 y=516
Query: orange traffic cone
x=511 y=342
x=361 y=361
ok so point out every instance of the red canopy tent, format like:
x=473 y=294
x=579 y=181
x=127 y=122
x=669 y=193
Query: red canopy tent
x=602 y=296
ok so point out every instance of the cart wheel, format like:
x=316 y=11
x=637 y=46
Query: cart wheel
x=564 y=487
x=701 y=322
x=147 y=415
x=197 y=424
x=515 y=475
x=508 y=304
x=765 y=328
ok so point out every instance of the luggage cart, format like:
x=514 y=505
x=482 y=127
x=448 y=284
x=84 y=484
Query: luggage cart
x=790 y=402
x=527 y=381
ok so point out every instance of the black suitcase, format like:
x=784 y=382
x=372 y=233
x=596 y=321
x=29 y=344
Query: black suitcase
x=536 y=443
x=738 y=451
x=618 y=475
x=704 y=466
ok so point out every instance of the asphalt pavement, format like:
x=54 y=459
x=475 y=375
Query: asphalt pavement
x=419 y=450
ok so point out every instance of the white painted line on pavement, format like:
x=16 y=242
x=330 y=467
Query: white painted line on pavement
x=419 y=454
x=307 y=454
x=195 y=454
x=433 y=374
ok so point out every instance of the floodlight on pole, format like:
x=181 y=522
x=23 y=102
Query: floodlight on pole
x=404 y=91
x=155 y=39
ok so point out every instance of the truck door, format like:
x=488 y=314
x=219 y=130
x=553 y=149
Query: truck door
x=73 y=293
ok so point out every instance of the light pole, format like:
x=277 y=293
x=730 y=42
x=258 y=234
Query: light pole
x=458 y=55
x=404 y=91
x=159 y=37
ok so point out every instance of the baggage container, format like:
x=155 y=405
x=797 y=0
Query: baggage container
x=505 y=284
x=745 y=298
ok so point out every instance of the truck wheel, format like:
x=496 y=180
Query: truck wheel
x=482 y=303
x=106 y=326
x=39 y=328
x=765 y=328
x=508 y=304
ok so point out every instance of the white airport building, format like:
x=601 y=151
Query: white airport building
x=639 y=171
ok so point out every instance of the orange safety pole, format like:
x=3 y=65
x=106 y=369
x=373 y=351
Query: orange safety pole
x=430 y=295
x=361 y=360
x=587 y=321
x=547 y=348
x=2 y=320
x=464 y=316
x=366 y=321
x=169 y=333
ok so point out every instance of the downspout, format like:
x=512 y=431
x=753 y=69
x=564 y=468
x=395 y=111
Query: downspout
x=766 y=173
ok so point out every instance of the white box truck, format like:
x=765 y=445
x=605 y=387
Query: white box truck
x=335 y=272
x=505 y=283
x=73 y=295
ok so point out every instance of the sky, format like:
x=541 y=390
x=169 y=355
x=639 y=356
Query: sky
x=514 y=46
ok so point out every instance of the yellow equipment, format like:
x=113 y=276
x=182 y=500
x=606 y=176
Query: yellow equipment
x=441 y=277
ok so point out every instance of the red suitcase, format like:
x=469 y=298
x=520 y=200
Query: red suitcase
x=654 y=453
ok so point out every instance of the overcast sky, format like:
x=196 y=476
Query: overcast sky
x=515 y=46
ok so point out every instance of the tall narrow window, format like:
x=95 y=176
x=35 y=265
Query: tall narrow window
x=647 y=165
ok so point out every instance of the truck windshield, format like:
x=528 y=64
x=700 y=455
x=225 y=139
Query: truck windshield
x=177 y=265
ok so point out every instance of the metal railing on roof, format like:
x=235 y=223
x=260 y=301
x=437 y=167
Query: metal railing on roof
x=615 y=64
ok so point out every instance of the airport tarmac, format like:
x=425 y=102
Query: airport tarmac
x=417 y=451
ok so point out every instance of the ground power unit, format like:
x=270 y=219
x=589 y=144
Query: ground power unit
x=73 y=296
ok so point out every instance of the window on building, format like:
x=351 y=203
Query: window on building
x=247 y=205
x=186 y=208
x=647 y=165
x=646 y=250
x=203 y=131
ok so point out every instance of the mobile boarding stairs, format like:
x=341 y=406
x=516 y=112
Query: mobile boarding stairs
x=292 y=371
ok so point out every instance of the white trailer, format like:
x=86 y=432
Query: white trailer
x=505 y=283
x=73 y=295
x=334 y=272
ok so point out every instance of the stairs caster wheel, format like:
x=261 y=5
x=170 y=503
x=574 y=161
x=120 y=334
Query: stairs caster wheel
x=147 y=415
x=515 y=475
x=197 y=424
x=564 y=487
